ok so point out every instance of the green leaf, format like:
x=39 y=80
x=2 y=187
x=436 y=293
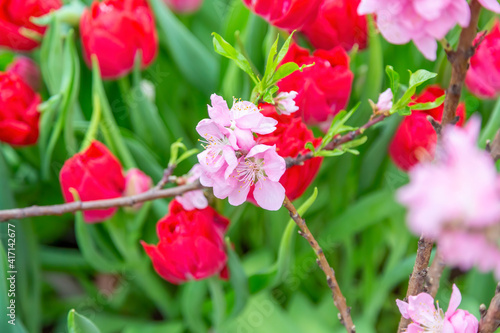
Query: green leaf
x=394 y=79
x=238 y=280
x=193 y=59
x=271 y=63
x=338 y=126
x=404 y=111
x=284 y=48
x=227 y=50
x=218 y=301
x=492 y=125
x=329 y=153
x=420 y=77
x=80 y=324
x=355 y=143
x=429 y=105
x=192 y=297
x=309 y=145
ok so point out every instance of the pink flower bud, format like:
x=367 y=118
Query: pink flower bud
x=184 y=6
x=28 y=70
x=463 y=322
x=136 y=182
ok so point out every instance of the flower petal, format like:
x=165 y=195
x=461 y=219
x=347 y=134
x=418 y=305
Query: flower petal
x=455 y=299
x=269 y=195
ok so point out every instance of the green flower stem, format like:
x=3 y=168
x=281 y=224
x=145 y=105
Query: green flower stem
x=94 y=123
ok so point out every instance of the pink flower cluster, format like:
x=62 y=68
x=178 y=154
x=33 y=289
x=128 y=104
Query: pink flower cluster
x=423 y=21
x=232 y=162
x=427 y=317
x=456 y=200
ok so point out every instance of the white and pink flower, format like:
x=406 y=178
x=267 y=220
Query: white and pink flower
x=428 y=317
x=193 y=199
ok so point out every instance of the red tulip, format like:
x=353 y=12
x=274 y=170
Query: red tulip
x=288 y=15
x=184 y=6
x=15 y=17
x=191 y=244
x=483 y=76
x=19 y=116
x=337 y=23
x=415 y=140
x=115 y=31
x=28 y=70
x=324 y=88
x=290 y=137
x=95 y=174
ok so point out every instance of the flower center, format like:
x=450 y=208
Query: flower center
x=251 y=171
x=214 y=146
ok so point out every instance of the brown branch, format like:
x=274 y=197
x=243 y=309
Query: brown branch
x=434 y=275
x=336 y=142
x=459 y=60
x=75 y=206
x=418 y=276
x=490 y=319
x=494 y=147
x=338 y=298
x=166 y=177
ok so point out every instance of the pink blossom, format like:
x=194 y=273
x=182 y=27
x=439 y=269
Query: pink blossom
x=385 y=101
x=427 y=317
x=136 y=182
x=240 y=121
x=285 y=103
x=492 y=5
x=194 y=199
x=423 y=21
x=462 y=186
x=262 y=167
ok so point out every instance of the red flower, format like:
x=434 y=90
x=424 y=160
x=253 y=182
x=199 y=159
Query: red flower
x=288 y=15
x=290 y=137
x=337 y=23
x=28 y=70
x=95 y=174
x=15 y=16
x=19 y=116
x=191 y=244
x=184 y=6
x=483 y=76
x=115 y=30
x=415 y=140
x=324 y=88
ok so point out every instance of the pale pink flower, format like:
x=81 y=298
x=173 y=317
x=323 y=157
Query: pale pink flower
x=461 y=187
x=136 y=182
x=193 y=199
x=427 y=317
x=423 y=21
x=492 y=5
x=219 y=146
x=262 y=168
x=285 y=103
x=385 y=101
x=467 y=249
x=241 y=121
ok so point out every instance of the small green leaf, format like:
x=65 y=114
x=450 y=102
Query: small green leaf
x=271 y=63
x=404 y=111
x=429 y=105
x=394 y=78
x=338 y=126
x=355 y=143
x=227 y=50
x=80 y=324
x=310 y=146
x=329 y=153
x=284 y=48
x=420 y=77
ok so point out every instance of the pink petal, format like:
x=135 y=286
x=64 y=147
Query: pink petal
x=266 y=126
x=207 y=128
x=455 y=300
x=421 y=309
x=403 y=308
x=491 y=5
x=269 y=195
x=258 y=149
x=428 y=46
x=275 y=165
x=219 y=112
x=239 y=194
x=414 y=328
x=231 y=160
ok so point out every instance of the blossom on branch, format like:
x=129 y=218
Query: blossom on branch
x=428 y=317
x=232 y=162
x=193 y=199
x=456 y=200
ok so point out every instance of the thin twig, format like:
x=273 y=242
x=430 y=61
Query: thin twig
x=336 y=142
x=338 y=298
x=434 y=275
x=490 y=319
x=459 y=60
x=166 y=177
x=76 y=206
x=494 y=147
